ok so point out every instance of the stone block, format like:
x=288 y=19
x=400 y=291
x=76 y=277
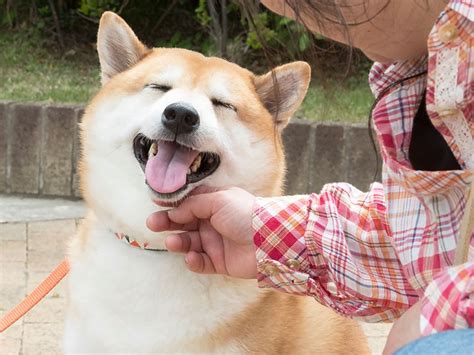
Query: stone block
x=10 y=339
x=13 y=231
x=38 y=261
x=49 y=310
x=12 y=284
x=42 y=338
x=76 y=191
x=57 y=149
x=10 y=345
x=25 y=138
x=14 y=331
x=12 y=251
x=43 y=235
x=297 y=141
x=3 y=146
x=47 y=243
x=13 y=243
x=328 y=164
x=361 y=157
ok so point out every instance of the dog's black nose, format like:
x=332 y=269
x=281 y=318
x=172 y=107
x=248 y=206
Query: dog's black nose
x=180 y=118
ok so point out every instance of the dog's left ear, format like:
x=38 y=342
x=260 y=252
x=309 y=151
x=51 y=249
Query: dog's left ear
x=117 y=45
x=283 y=89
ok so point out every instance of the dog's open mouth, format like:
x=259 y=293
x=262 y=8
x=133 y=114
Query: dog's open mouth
x=170 y=167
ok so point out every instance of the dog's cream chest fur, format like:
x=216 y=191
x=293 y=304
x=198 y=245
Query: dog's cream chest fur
x=130 y=300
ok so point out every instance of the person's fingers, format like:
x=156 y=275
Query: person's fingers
x=213 y=245
x=184 y=242
x=159 y=222
x=177 y=243
x=196 y=206
x=200 y=263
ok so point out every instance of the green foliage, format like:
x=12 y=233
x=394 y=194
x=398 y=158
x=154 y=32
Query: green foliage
x=303 y=41
x=95 y=8
x=177 y=23
x=7 y=16
x=201 y=13
x=30 y=72
x=285 y=39
x=347 y=101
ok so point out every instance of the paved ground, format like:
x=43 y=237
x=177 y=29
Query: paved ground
x=29 y=250
x=20 y=209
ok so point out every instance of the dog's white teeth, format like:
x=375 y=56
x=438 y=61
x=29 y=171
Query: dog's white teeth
x=153 y=150
x=189 y=172
x=196 y=163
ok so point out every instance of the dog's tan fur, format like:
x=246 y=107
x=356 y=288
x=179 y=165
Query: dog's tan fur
x=271 y=322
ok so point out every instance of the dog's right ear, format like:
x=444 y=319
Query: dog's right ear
x=117 y=45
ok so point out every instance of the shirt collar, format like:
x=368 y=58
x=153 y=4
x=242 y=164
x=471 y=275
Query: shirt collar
x=464 y=7
x=382 y=76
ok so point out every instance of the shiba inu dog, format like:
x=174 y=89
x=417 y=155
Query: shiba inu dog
x=165 y=122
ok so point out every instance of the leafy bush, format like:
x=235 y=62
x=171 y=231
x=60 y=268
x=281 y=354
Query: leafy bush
x=95 y=8
x=213 y=27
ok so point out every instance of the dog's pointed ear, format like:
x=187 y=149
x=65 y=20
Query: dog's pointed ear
x=117 y=45
x=283 y=89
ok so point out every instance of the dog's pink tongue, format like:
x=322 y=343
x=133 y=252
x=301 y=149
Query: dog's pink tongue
x=166 y=171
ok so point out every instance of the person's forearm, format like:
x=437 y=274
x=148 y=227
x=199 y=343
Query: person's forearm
x=319 y=245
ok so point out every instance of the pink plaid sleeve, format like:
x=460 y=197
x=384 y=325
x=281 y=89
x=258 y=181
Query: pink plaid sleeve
x=449 y=301
x=334 y=246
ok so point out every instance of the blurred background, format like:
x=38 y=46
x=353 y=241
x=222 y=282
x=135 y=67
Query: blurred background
x=47 y=49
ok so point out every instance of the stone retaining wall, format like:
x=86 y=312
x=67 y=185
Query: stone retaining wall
x=39 y=149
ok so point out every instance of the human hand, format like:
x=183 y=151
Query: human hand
x=217 y=237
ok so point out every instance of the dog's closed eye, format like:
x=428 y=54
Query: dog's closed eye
x=162 y=88
x=217 y=102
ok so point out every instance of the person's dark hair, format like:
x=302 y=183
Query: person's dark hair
x=327 y=9
x=322 y=13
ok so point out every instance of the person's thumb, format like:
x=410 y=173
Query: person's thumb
x=199 y=206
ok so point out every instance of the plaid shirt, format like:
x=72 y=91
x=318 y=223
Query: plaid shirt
x=373 y=255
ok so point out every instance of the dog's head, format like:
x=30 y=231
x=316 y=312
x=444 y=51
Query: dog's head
x=168 y=120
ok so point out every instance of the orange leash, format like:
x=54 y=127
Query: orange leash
x=34 y=297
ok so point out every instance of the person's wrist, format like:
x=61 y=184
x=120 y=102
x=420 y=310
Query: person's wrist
x=245 y=229
x=250 y=230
